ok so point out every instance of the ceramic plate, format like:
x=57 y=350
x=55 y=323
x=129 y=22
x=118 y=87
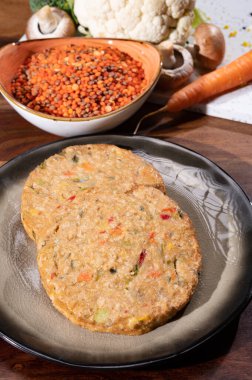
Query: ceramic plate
x=222 y=216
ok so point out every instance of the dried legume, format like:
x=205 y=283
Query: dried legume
x=78 y=81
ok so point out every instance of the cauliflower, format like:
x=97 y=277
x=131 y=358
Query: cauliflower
x=148 y=20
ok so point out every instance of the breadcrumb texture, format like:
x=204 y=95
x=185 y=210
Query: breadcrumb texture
x=75 y=171
x=121 y=263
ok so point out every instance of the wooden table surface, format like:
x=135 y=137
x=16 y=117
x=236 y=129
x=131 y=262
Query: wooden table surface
x=226 y=356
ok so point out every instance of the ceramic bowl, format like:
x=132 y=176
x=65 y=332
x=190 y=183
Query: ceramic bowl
x=13 y=55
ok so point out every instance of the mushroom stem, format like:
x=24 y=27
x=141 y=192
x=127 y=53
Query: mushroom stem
x=47 y=20
x=193 y=50
x=167 y=54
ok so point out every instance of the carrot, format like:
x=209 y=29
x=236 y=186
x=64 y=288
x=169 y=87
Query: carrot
x=102 y=242
x=68 y=173
x=169 y=209
x=152 y=237
x=87 y=166
x=154 y=274
x=84 y=276
x=116 y=231
x=228 y=77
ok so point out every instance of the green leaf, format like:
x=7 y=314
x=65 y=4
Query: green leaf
x=65 y=5
x=199 y=18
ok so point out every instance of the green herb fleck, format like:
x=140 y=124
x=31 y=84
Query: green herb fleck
x=98 y=274
x=162 y=251
x=81 y=180
x=126 y=243
x=62 y=153
x=180 y=213
x=135 y=270
x=42 y=165
x=75 y=158
x=40 y=182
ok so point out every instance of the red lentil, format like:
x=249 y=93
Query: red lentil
x=78 y=81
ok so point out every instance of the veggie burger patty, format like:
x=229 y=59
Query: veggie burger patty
x=58 y=181
x=121 y=263
x=115 y=254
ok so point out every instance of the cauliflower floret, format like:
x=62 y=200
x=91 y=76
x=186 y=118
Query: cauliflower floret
x=176 y=8
x=182 y=31
x=148 y=20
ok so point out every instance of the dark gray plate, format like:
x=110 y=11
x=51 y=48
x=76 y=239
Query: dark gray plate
x=222 y=216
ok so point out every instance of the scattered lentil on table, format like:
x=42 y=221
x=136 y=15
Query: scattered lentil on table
x=78 y=81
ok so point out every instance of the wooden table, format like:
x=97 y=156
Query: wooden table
x=227 y=143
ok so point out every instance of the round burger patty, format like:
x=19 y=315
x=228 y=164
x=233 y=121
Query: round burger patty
x=120 y=262
x=77 y=170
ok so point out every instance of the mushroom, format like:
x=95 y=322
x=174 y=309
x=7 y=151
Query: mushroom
x=167 y=54
x=50 y=22
x=209 y=48
x=177 y=65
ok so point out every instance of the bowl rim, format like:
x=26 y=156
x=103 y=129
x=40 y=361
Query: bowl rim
x=92 y=118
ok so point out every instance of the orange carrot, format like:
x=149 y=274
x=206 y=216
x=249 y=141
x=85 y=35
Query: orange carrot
x=87 y=166
x=116 y=231
x=154 y=274
x=68 y=173
x=84 y=276
x=152 y=237
x=233 y=75
x=169 y=209
x=102 y=242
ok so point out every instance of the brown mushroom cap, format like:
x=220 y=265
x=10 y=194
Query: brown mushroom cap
x=50 y=22
x=210 y=42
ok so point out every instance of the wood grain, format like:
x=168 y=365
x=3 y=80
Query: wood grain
x=13 y=24
x=228 y=354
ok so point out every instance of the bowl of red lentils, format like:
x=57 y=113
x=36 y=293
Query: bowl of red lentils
x=77 y=86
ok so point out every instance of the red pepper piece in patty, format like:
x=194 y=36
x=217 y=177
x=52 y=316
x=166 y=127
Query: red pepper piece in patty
x=53 y=275
x=167 y=212
x=71 y=198
x=140 y=261
x=165 y=216
x=142 y=257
